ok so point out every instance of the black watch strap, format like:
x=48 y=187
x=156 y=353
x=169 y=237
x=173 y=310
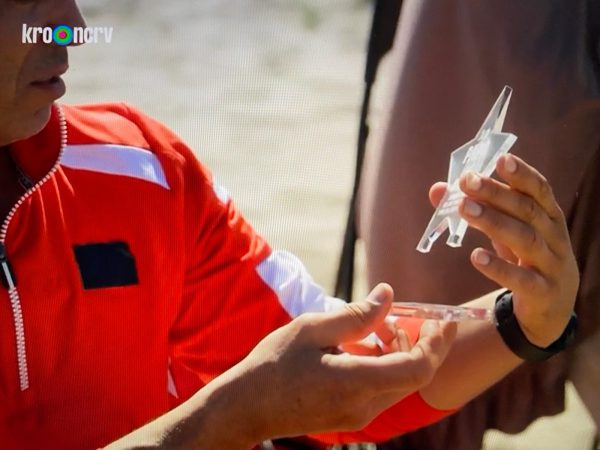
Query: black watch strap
x=514 y=338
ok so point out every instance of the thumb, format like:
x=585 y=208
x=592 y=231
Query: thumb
x=354 y=321
x=436 y=193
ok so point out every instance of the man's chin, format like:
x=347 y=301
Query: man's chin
x=41 y=117
x=32 y=124
x=35 y=107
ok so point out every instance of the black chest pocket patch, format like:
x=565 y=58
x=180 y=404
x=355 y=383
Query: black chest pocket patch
x=107 y=264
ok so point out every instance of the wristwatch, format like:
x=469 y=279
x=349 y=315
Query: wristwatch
x=514 y=338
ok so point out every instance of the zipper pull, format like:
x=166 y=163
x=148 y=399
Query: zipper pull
x=6 y=273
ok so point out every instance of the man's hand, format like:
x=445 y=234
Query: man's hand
x=296 y=381
x=302 y=383
x=533 y=255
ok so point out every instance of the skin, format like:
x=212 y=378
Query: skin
x=25 y=108
x=341 y=391
x=532 y=256
x=320 y=389
x=297 y=381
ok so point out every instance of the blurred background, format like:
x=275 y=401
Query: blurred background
x=266 y=92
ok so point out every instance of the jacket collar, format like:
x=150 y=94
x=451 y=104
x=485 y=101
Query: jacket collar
x=37 y=154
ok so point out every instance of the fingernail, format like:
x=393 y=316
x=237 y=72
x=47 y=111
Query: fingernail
x=472 y=209
x=473 y=181
x=378 y=297
x=510 y=164
x=481 y=258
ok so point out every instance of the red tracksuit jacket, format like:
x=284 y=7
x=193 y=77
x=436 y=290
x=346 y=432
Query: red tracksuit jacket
x=130 y=281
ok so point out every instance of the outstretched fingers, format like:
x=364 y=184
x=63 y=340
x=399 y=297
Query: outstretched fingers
x=351 y=323
x=523 y=239
x=527 y=199
x=512 y=276
x=520 y=214
x=534 y=257
x=406 y=371
x=526 y=179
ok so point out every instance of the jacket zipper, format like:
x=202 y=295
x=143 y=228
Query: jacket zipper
x=5 y=267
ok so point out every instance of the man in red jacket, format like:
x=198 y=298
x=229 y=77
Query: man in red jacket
x=133 y=289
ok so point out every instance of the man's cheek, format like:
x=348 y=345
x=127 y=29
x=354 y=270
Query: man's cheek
x=7 y=79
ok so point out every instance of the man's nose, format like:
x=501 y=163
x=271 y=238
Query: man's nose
x=68 y=13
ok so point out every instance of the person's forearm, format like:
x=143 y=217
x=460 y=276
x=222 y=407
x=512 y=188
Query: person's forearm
x=212 y=418
x=478 y=359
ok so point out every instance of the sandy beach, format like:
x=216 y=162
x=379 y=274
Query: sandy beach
x=267 y=94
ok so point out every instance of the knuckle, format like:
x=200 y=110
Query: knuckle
x=304 y=325
x=530 y=209
x=544 y=188
x=303 y=321
x=534 y=241
x=491 y=220
x=558 y=214
x=562 y=246
x=356 y=312
x=489 y=188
